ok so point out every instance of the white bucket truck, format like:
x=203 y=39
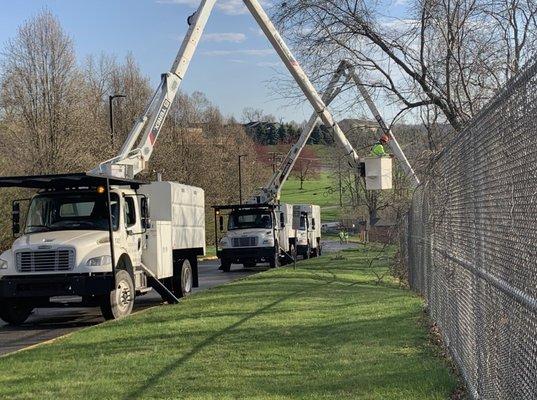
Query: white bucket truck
x=90 y=234
x=255 y=233
x=307 y=221
x=93 y=238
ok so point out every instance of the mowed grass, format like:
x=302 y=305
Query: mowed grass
x=323 y=331
x=319 y=190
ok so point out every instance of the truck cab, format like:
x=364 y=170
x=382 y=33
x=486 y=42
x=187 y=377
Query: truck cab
x=99 y=245
x=254 y=234
x=308 y=233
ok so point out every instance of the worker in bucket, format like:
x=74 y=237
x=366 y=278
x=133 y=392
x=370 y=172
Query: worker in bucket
x=378 y=148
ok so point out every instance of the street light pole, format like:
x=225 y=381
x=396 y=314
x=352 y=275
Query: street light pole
x=111 y=110
x=240 y=178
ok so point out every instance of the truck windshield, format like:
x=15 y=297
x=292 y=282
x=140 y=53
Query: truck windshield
x=250 y=220
x=72 y=211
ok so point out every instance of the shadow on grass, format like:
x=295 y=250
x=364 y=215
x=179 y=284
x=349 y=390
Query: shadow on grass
x=196 y=349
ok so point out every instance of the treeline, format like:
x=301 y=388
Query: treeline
x=272 y=133
x=54 y=117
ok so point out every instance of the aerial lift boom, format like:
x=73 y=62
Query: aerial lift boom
x=139 y=145
x=271 y=192
x=132 y=160
x=394 y=145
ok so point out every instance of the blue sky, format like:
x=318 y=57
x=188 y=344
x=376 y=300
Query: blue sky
x=232 y=65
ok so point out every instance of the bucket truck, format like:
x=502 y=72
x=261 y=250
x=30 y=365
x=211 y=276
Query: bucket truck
x=303 y=237
x=292 y=230
x=101 y=237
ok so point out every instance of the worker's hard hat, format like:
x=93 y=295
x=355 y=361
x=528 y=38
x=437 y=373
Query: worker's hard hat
x=384 y=138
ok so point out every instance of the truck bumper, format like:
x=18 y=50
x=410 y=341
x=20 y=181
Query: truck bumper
x=239 y=255
x=44 y=286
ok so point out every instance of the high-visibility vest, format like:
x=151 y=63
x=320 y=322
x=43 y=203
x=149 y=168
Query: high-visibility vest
x=378 y=150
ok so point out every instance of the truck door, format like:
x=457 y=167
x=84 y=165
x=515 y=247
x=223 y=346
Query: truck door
x=133 y=229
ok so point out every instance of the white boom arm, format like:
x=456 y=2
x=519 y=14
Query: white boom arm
x=394 y=145
x=298 y=73
x=132 y=160
x=271 y=192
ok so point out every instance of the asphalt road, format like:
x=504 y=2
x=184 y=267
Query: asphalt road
x=49 y=323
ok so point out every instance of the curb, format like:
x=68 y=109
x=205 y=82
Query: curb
x=210 y=258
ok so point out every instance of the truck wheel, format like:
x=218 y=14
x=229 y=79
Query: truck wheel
x=14 y=313
x=274 y=261
x=183 y=279
x=315 y=252
x=225 y=265
x=119 y=302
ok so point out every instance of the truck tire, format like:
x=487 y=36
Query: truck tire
x=14 y=313
x=225 y=265
x=119 y=302
x=274 y=262
x=183 y=278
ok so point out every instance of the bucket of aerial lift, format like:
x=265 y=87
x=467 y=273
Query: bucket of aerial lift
x=378 y=173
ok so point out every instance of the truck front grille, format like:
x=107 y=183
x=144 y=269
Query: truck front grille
x=45 y=261
x=245 y=242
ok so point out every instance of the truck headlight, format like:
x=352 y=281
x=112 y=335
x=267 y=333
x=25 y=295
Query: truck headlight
x=223 y=242
x=99 y=261
x=3 y=264
x=269 y=241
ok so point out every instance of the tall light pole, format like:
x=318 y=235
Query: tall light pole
x=240 y=178
x=111 y=110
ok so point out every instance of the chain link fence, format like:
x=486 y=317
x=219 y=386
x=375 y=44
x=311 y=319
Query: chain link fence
x=471 y=244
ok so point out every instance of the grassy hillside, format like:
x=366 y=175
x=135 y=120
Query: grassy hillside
x=326 y=330
x=317 y=191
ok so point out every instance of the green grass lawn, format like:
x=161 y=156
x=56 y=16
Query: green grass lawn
x=320 y=191
x=323 y=331
x=210 y=251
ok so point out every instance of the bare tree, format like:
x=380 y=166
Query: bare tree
x=307 y=166
x=448 y=54
x=250 y=114
x=41 y=100
x=515 y=25
x=200 y=147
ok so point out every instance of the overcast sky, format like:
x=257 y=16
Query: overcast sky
x=232 y=65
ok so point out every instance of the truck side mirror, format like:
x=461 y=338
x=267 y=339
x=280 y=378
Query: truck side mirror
x=282 y=220
x=16 y=218
x=144 y=212
x=221 y=223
